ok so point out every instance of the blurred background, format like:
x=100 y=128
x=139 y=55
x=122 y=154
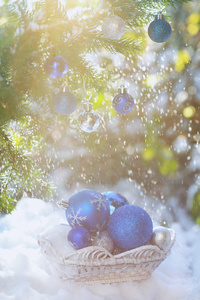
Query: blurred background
x=153 y=152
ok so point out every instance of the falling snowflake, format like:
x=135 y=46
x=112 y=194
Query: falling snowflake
x=75 y=218
x=100 y=200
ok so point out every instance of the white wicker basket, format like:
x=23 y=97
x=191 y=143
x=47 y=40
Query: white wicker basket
x=95 y=264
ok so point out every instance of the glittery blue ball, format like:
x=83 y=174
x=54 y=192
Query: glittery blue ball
x=88 y=208
x=115 y=200
x=123 y=103
x=130 y=226
x=64 y=103
x=56 y=67
x=79 y=237
x=159 y=31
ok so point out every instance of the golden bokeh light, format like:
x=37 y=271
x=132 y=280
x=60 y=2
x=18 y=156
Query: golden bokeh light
x=189 y=111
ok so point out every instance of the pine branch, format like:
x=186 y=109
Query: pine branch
x=17 y=167
x=27 y=40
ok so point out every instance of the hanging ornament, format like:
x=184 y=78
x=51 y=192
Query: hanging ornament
x=65 y=102
x=88 y=120
x=159 y=30
x=130 y=226
x=103 y=239
x=79 y=237
x=56 y=67
x=87 y=208
x=113 y=27
x=161 y=237
x=115 y=200
x=123 y=103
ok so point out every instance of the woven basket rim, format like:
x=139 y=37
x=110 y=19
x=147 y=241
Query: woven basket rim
x=96 y=255
x=95 y=264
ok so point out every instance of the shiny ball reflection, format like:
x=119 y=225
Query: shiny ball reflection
x=89 y=120
x=115 y=200
x=161 y=237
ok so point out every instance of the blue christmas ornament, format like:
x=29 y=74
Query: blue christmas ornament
x=123 y=103
x=56 y=67
x=115 y=200
x=79 y=237
x=130 y=226
x=159 y=30
x=65 y=103
x=88 y=208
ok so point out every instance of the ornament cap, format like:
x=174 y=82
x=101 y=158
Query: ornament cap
x=65 y=89
x=159 y=16
x=122 y=89
x=63 y=204
x=88 y=107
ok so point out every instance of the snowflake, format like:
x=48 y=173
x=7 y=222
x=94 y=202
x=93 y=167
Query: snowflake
x=100 y=200
x=75 y=218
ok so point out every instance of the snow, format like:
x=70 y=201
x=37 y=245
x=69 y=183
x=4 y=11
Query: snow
x=25 y=273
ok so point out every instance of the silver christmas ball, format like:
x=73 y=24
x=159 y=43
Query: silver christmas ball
x=113 y=27
x=161 y=237
x=89 y=120
x=103 y=239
